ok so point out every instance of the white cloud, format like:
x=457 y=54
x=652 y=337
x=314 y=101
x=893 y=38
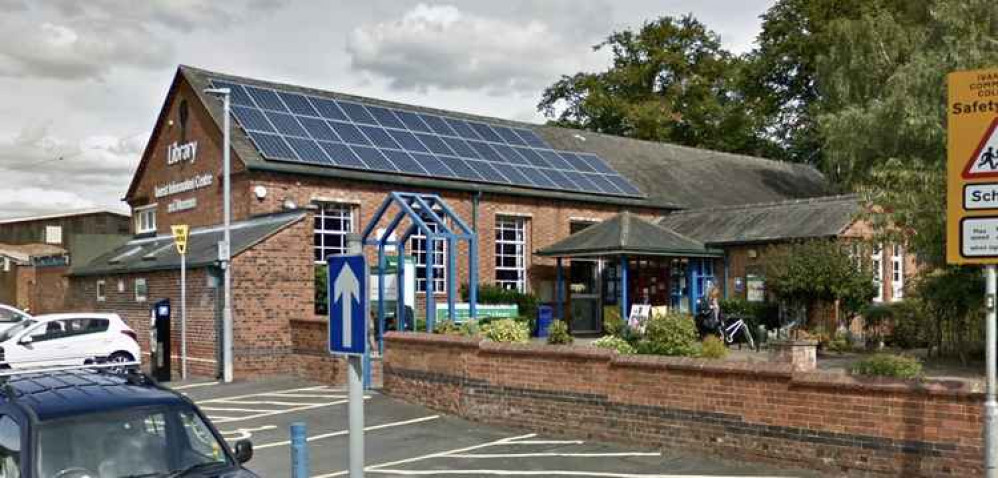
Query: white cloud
x=444 y=47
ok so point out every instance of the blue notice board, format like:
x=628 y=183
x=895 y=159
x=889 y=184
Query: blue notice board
x=348 y=302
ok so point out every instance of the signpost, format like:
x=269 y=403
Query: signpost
x=181 y=233
x=348 y=318
x=972 y=208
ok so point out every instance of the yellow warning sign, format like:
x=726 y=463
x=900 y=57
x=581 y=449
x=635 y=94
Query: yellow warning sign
x=180 y=235
x=972 y=168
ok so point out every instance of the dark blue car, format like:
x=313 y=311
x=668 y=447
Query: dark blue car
x=91 y=423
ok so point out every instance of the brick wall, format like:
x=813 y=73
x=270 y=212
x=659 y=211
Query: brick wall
x=834 y=423
x=201 y=311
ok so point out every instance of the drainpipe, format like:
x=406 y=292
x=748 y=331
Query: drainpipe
x=474 y=211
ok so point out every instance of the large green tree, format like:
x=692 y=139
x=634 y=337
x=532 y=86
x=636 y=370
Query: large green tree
x=669 y=81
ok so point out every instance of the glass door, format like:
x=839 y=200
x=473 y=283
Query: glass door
x=584 y=293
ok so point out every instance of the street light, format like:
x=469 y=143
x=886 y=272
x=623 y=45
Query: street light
x=224 y=249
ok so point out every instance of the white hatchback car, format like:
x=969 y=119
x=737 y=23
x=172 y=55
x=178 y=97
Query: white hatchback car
x=68 y=339
x=11 y=316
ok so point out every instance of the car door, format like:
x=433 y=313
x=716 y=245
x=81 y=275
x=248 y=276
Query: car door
x=87 y=338
x=46 y=347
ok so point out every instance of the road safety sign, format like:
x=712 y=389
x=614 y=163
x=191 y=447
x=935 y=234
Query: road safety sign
x=181 y=232
x=348 y=304
x=972 y=166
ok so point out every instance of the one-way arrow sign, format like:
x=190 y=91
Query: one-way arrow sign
x=347 y=304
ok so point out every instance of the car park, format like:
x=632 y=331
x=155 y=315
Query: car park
x=68 y=339
x=88 y=422
x=11 y=316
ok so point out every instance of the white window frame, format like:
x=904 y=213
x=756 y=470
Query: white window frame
x=877 y=263
x=101 y=291
x=145 y=219
x=417 y=249
x=897 y=273
x=517 y=225
x=53 y=234
x=141 y=290
x=346 y=213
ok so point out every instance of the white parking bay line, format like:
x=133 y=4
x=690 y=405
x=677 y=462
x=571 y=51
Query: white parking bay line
x=545 y=454
x=194 y=385
x=346 y=432
x=331 y=394
x=245 y=410
x=268 y=402
x=598 y=474
x=281 y=412
x=263 y=394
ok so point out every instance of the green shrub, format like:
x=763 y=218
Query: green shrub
x=558 y=333
x=839 y=343
x=615 y=343
x=471 y=328
x=506 y=330
x=447 y=327
x=321 y=290
x=669 y=334
x=754 y=313
x=526 y=304
x=910 y=326
x=613 y=324
x=713 y=348
x=889 y=365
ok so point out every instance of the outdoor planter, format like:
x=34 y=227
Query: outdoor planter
x=802 y=355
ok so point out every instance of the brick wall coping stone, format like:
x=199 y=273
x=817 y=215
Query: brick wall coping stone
x=953 y=388
x=542 y=350
x=762 y=369
x=433 y=339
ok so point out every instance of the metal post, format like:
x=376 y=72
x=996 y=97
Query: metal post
x=299 y=450
x=623 y=288
x=355 y=394
x=559 y=293
x=381 y=295
x=431 y=307
x=183 y=316
x=990 y=405
x=473 y=275
x=451 y=278
x=226 y=246
x=400 y=288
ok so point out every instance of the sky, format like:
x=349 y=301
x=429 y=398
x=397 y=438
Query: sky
x=83 y=82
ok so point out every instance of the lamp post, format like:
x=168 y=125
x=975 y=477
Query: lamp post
x=224 y=249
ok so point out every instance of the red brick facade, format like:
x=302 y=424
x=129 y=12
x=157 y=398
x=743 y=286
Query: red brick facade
x=834 y=423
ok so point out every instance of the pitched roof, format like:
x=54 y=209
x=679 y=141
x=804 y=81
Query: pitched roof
x=79 y=212
x=626 y=233
x=159 y=252
x=672 y=177
x=26 y=252
x=766 y=222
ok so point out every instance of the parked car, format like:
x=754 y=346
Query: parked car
x=11 y=316
x=90 y=423
x=68 y=339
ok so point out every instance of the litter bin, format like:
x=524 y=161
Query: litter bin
x=545 y=315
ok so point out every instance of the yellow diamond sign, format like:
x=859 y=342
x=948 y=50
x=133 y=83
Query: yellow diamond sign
x=180 y=234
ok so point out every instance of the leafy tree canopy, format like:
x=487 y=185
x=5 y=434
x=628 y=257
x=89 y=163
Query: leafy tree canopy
x=820 y=270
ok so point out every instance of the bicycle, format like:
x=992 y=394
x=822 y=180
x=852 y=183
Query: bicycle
x=728 y=332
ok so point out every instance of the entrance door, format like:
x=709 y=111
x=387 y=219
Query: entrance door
x=584 y=275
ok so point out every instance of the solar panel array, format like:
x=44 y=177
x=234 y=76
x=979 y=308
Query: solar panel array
x=288 y=126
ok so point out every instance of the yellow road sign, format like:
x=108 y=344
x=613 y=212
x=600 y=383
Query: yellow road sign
x=972 y=168
x=180 y=235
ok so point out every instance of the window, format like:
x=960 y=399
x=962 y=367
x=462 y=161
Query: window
x=897 y=273
x=101 y=291
x=877 y=263
x=10 y=448
x=53 y=234
x=121 y=286
x=332 y=223
x=141 y=290
x=417 y=247
x=511 y=244
x=145 y=219
x=10 y=316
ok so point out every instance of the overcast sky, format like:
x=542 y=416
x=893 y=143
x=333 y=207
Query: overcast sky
x=84 y=80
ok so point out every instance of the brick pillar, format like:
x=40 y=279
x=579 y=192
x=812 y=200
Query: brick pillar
x=802 y=355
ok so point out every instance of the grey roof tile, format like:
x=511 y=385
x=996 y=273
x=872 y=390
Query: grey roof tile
x=626 y=233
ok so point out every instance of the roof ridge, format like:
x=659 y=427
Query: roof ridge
x=72 y=212
x=787 y=202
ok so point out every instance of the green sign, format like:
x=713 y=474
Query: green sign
x=462 y=311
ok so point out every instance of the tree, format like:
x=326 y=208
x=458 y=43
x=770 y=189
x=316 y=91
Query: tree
x=819 y=271
x=670 y=81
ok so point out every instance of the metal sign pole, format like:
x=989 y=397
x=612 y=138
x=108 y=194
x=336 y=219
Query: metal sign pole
x=990 y=405
x=355 y=408
x=183 y=316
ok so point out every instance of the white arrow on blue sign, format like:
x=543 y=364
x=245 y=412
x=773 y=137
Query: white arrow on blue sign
x=347 y=304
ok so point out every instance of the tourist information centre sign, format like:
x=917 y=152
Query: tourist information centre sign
x=972 y=168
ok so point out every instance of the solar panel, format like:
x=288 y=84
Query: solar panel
x=291 y=126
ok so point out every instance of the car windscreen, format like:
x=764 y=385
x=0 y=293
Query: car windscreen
x=157 y=441
x=7 y=334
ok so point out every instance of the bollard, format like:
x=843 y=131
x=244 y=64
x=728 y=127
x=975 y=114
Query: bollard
x=299 y=450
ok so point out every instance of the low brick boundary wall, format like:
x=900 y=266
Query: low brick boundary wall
x=830 y=422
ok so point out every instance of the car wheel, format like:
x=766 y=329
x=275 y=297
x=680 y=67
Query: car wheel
x=120 y=358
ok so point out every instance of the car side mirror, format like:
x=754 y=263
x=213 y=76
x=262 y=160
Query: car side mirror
x=244 y=451
x=26 y=340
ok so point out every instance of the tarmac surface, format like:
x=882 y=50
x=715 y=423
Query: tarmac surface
x=403 y=440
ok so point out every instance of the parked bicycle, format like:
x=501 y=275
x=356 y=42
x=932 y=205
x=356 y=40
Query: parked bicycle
x=727 y=328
